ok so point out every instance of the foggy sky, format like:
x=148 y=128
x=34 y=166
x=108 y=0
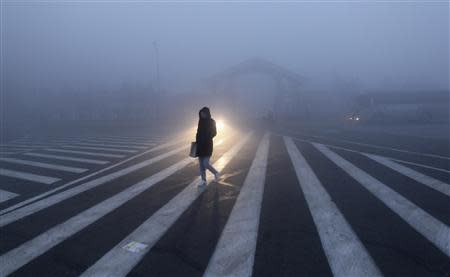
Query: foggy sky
x=104 y=44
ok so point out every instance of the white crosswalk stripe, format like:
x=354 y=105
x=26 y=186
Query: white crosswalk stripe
x=127 y=139
x=12 y=150
x=85 y=153
x=32 y=145
x=435 y=231
x=64 y=140
x=120 y=140
x=7 y=195
x=44 y=165
x=111 y=145
x=16 y=146
x=122 y=143
x=16 y=150
x=346 y=254
x=235 y=251
x=421 y=165
x=7 y=153
x=74 y=159
x=118 y=262
x=101 y=148
x=419 y=177
x=28 y=176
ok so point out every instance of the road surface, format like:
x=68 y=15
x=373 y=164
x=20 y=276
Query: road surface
x=311 y=202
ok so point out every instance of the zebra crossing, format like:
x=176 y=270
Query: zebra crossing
x=84 y=153
x=6 y=195
x=53 y=161
x=234 y=254
x=45 y=165
x=419 y=177
x=67 y=158
x=111 y=145
x=434 y=230
x=28 y=176
x=118 y=262
x=103 y=148
x=339 y=241
x=172 y=176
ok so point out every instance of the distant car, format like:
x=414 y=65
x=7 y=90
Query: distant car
x=354 y=118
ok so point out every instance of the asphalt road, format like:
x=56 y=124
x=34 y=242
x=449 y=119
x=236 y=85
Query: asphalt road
x=291 y=202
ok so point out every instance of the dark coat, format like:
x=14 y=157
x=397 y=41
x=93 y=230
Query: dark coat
x=205 y=132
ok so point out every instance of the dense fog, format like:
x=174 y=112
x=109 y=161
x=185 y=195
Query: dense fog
x=68 y=60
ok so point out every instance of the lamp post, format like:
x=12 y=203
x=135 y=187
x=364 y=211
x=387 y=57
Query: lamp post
x=158 y=84
x=156 y=96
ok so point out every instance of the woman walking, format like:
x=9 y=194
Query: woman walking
x=206 y=130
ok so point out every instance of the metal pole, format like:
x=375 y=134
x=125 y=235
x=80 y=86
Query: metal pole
x=156 y=108
x=158 y=84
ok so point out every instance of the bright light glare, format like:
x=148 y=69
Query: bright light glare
x=220 y=125
x=218 y=142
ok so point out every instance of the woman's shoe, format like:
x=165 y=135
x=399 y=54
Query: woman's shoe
x=202 y=183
